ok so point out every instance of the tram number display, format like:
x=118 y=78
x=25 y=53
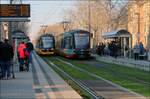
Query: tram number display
x=46 y=37
x=14 y=10
x=83 y=34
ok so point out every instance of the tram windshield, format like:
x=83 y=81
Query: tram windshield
x=47 y=42
x=82 y=41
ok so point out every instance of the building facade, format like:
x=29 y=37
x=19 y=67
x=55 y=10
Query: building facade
x=139 y=22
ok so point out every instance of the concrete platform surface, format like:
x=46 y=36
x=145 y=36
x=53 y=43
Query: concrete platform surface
x=41 y=82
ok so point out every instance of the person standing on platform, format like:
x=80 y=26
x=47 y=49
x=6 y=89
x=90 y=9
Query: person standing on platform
x=21 y=55
x=7 y=54
x=136 y=51
x=30 y=48
x=141 y=48
x=1 y=44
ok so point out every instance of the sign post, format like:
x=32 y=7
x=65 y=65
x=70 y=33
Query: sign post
x=14 y=13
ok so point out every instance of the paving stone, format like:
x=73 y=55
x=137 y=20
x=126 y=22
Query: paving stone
x=24 y=85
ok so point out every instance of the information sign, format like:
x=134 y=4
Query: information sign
x=14 y=10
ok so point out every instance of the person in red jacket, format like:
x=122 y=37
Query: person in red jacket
x=21 y=55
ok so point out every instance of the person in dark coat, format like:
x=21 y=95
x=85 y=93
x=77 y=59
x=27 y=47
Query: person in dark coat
x=30 y=48
x=7 y=55
x=136 y=51
x=1 y=44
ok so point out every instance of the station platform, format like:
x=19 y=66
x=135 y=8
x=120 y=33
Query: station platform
x=141 y=64
x=41 y=82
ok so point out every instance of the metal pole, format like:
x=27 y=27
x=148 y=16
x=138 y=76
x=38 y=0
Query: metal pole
x=89 y=25
x=131 y=48
x=15 y=57
x=89 y=17
x=138 y=26
x=0 y=31
x=110 y=7
x=124 y=40
x=10 y=28
x=0 y=28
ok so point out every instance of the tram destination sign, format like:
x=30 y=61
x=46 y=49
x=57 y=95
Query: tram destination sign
x=14 y=10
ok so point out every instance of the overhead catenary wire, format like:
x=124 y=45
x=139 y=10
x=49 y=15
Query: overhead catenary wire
x=54 y=11
x=48 y=13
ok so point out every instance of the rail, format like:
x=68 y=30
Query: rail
x=81 y=85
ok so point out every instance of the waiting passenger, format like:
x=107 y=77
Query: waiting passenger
x=21 y=55
x=30 y=48
x=7 y=55
x=141 y=48
x=1 y=44
x=136 y=51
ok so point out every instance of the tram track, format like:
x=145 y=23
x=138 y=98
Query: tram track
x=104 y=88
x=102 y=79
x=92 y=94
x=106 y=68
x=78 y=82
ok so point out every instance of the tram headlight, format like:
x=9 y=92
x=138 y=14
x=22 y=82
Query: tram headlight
x=52 y=48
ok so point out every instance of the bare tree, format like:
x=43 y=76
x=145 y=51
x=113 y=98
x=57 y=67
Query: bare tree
x=55 y=29
x=106 y=15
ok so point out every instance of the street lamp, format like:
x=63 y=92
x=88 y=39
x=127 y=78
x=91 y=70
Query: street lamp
x=89 y=17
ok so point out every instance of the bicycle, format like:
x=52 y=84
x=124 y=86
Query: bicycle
x=24 y=64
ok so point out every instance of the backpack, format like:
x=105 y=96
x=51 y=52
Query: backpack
x=26 y=52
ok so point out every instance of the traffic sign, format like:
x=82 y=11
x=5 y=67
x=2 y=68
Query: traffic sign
x=14 y=10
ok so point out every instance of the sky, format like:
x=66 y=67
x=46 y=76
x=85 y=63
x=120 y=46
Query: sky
x=45 y=12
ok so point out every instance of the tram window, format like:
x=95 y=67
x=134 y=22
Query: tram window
x=40 y=44
x=81 y=41
x=47 y=43
x=68 y=43
x=62 y=43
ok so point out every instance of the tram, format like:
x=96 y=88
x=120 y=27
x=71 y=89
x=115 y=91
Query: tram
x=45 y=44
x=74 y=44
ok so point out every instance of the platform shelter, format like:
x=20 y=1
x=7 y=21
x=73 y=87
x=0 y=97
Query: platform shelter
x=123 y=39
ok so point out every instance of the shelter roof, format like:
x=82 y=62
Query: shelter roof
x=118 y=33
x=19 y=36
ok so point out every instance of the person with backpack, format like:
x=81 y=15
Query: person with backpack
x=30 y=48
x=7 y=54
x=23 y=55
